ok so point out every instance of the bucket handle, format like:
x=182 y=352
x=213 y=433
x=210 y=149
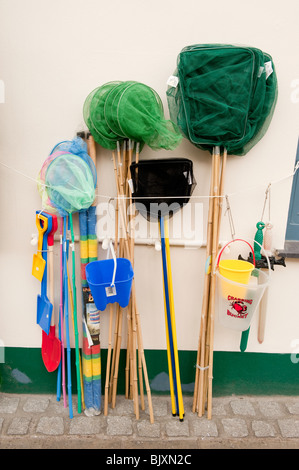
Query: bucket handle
x=253 y=256
x=236 y=240
x=108 y=244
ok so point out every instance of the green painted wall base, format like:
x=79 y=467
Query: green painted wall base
x=22 y=371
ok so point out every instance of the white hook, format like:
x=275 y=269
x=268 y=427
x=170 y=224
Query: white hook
x=157 y=245
x=105 y=243
x=34 y=239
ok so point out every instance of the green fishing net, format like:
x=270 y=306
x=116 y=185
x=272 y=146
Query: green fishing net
x=223 y=95
x=70 y=183
x=76 y=146
x=93 y=113
x=129 y=110
x=47 y=205
x=111 y=108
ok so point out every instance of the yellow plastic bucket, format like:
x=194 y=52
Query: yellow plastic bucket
x=236 y=270
x=239 y=289
x=237 y=303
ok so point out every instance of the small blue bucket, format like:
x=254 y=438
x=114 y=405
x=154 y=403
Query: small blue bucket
x=110 y=281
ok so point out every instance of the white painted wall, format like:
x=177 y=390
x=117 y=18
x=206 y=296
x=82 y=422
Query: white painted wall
x=52 y=54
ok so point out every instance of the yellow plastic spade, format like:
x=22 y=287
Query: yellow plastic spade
x=38 y=265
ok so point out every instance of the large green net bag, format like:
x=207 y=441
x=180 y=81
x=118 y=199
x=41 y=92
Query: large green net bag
x=223 y=95
x=129 y=110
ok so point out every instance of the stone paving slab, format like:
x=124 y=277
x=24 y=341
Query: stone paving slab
x=237 y=422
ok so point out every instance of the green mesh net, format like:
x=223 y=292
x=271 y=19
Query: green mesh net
x=47 y=204
x=69 y=183
x=93 y=113
x=223 y=95
x=76 y=146
x=129 y=110
x=111 y=108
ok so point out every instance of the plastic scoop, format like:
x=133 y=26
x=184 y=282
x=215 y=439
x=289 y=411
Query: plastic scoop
x=51 y=345
x=44 y=306
x=38 y=265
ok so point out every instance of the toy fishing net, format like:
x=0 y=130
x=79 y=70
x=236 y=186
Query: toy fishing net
x=93 y=113
x=129 y=110
x=47 y=204
x=78 y=147
x=70 y=183
x=162 y=187
x=223 y=95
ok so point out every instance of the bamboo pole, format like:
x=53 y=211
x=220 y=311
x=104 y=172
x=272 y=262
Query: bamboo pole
x=118 y=340
x=106 y=395
x=214 y=232
x=213 y=236
x=141 y=357
x=126 y=249
x=146 y=380
x=133 y=300
x=116 y=248
x=129 y=374
x=200 y=363
x=130 y=337
x=213 y=282
x=204 y=370
x=141 y=354
x=118 y=319
x=142 y=402
x=128 y=368
x=221 y=188
x=116 y=365
x=116 y=323
x=131 y=346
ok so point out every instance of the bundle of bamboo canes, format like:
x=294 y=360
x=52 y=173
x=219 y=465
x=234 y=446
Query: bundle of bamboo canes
x=124 y=247
x=204 y=363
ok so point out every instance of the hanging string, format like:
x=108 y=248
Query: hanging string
x=267 y=198
x=230 y=218
x=267 y=237
x=104 y=196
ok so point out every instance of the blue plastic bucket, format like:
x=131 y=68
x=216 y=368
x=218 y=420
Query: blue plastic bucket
x=99 y=275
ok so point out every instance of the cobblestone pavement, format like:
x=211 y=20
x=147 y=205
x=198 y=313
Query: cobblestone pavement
x=39 y=421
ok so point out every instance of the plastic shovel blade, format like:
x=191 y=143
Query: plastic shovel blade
x=51 y=350
x=39 y=263
x=38 y=266
x=44 y=313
